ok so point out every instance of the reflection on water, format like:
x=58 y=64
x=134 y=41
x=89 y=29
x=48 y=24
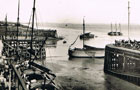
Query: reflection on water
x=51 y=43
x=82 y=73
x=77 y=73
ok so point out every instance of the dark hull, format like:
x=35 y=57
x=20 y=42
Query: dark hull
x=85 y=53
x=79 y=53
x=99 y=52
x=115 y=34
x=86 y=36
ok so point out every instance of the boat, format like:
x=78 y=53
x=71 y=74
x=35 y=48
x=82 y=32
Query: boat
x=38 y=79
x=99 y=52
x=86 y=35
x=22 y=57
x=39 y=76
x=122 y=59
x=115 y=33
x=28 y=44
x=64 y=41
x=80 y=52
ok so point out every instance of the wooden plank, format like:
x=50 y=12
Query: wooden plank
x=19 y=78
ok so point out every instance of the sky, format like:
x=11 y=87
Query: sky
x=73 y=11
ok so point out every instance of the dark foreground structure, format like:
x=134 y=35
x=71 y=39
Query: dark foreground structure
x=123 y=63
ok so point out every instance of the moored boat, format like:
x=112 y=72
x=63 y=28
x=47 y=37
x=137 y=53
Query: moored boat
x=87 y=35
x=115 y=33
x=99 y=52
x=81 y=52
x=21 y=54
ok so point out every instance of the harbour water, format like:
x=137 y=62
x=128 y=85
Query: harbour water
x=83 y=73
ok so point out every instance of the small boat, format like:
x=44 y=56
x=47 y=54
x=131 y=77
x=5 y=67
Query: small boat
x=64 y=41
x=86 y=35
x=115 y=33
x=81 y=52
x=37 y=79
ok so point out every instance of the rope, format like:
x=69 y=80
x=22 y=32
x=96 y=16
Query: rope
x=74 y=41
x=36 y=20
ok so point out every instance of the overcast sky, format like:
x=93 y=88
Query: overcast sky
x=72 y=11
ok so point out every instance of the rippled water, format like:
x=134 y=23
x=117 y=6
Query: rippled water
x=84 y=74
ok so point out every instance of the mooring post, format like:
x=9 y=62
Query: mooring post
x=9 y=78
x=105 y=61
x=124 y=62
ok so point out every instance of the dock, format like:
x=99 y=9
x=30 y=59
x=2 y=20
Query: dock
x=123 y=63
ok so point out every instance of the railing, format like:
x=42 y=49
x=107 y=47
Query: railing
x=123 y=63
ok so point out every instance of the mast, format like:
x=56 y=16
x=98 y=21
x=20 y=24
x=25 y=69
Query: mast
x=116 y=27
x=83 y=31
x=17 y=43
x=6 y=26
x=31 y=47
x=32 y=25
x=111 y=27
x=128 y=20
x=120 y=27
x=18 y=19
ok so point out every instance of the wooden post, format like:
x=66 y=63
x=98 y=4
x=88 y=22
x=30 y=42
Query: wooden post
x=9 y=79
x=105 y=61
x=124 y=62
x=16 y=81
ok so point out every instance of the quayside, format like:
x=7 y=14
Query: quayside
x=21 y=70
x=123 y=61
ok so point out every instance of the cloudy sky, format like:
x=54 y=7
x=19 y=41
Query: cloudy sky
x=72 y=11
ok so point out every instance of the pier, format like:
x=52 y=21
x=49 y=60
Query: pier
x=123 y=63
x=15 y=76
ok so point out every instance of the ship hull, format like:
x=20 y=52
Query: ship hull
x=115 y=34
x=99 y=52
x=87 y=36
x=85 y=53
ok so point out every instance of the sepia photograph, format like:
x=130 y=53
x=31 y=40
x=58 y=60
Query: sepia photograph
x=69 y=45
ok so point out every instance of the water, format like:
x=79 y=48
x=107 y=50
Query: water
x=83 y=73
